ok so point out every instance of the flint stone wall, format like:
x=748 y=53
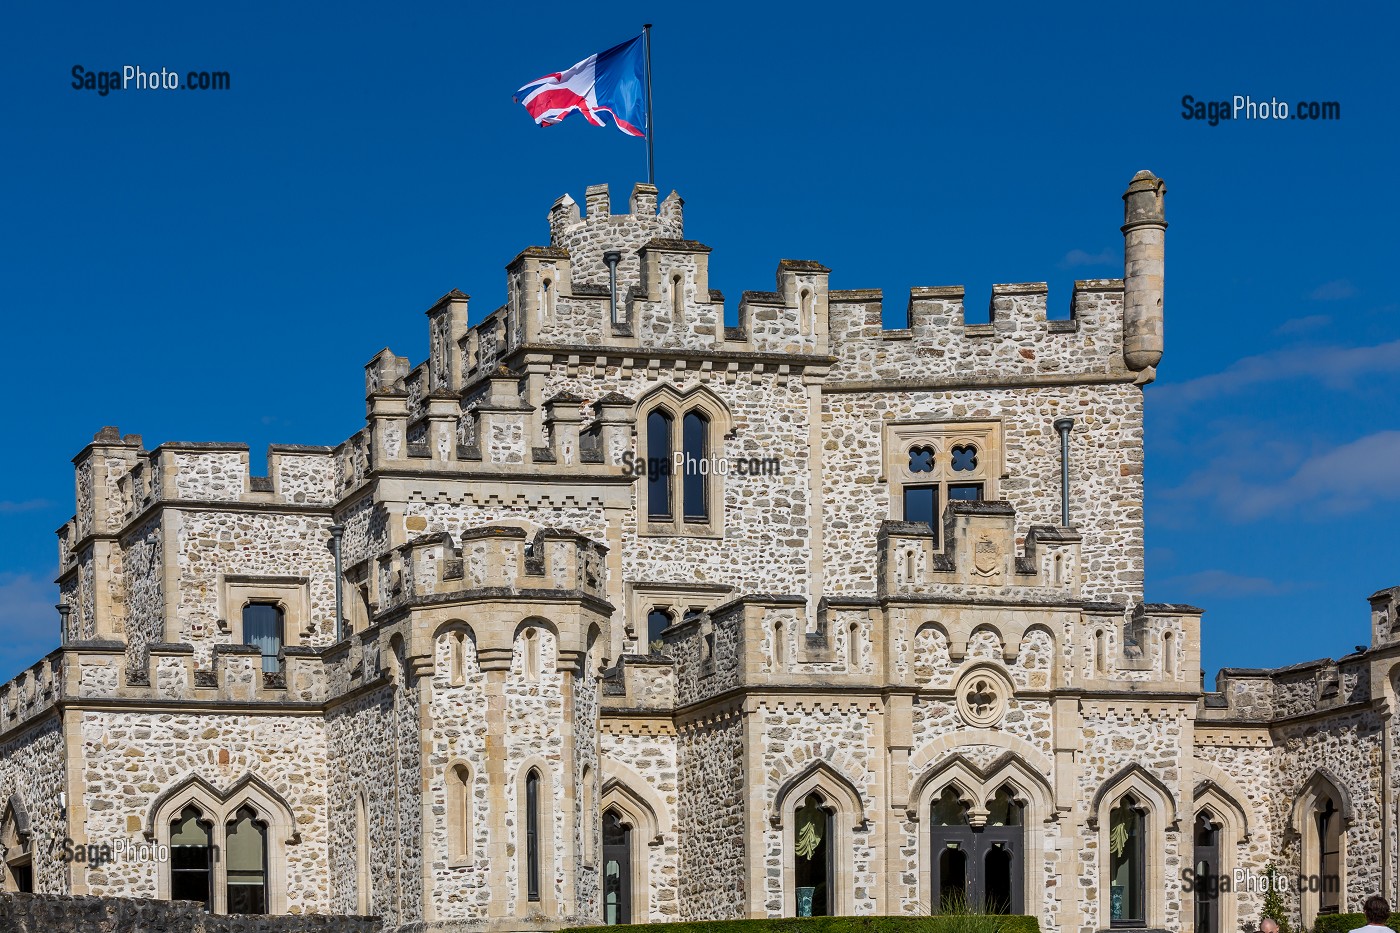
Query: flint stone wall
x=49 y=913
x=32 y=773
x=713 y=790
x=132 y=758
x=1105 y=475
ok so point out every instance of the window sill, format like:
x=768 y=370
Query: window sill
x=652 y=529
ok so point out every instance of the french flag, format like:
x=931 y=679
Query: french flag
x=611 y=82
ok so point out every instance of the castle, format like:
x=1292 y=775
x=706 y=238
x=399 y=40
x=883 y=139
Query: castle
x=615 y=613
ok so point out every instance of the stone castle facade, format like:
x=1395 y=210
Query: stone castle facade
x=500 y=661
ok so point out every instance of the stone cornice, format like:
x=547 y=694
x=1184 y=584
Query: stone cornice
x=1007 y=381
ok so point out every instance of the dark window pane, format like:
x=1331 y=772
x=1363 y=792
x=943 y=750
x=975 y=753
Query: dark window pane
x=659 y=465
x=1330 y=861
x=657 y=622
x=617 y=871
x=1125 y=868
x=952 y=879
x=812 y=858
x=532 y=836
x=697 y=430
x=246 y=863
x=996 y=879
x=964 y=492
x=262 y=626
x=921 y=505
x=191 y=859
x=22 y=874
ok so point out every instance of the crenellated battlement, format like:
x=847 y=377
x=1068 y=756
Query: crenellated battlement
x=1267 y=695
x=492 y=558
x=118 y=480
x=32 y=692
x=978 y=550
x=1020 y=340
x=586 y=238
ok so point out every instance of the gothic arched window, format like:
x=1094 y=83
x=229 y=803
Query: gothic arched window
x=812 y=849
x=1329 y=851
x=1126 y=887
x=532 y=835
x=696 y=468
x=659 y=449
x=191 y=858
x=617 y=868
x=15 y=849
x=245 y=843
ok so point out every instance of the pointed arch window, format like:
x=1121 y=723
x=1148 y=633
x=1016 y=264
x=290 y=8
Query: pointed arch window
x=812 y=848
x=192 y=858
x=15 y=849
x=682 y=436
x=1126 y=885
x=1329 y=851
x=617 y=868
x=246 y=843
x=1206 y=856
x=696 y=469
x=532 y=836
x=659 y=424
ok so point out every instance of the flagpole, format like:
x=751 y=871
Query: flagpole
x=651 y=125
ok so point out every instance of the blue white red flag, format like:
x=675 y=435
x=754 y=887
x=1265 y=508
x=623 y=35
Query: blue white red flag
x=611 y=82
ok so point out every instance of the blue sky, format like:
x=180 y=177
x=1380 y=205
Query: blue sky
x=218 y=266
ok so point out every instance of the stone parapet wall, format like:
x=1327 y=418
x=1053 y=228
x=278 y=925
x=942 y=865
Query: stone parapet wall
x=50 y=913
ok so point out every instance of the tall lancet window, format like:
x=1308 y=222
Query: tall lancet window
x=697 y=467
x=659 y=424
x=532 y=836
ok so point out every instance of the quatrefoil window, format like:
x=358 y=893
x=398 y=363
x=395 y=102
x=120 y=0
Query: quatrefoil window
x=982 y=698
x=964 y=458
x=983 y=694
x=921 y=459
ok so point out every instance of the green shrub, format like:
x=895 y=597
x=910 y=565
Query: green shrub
x=1273 y=901
x=1341 y=923
x=942 y=923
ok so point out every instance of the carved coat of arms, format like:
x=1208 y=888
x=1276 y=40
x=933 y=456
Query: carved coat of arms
x=986 y=557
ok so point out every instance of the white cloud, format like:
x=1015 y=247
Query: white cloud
x=30 y=505
x=1333 y=291
x=1224 y=583
x=1079 y=257
x=1335 y=367
x=1337 y=481
x=28 y=619
x=1276 y=479
x=1303 y=325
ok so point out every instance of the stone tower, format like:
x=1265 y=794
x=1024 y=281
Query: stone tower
x=1144 y=241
